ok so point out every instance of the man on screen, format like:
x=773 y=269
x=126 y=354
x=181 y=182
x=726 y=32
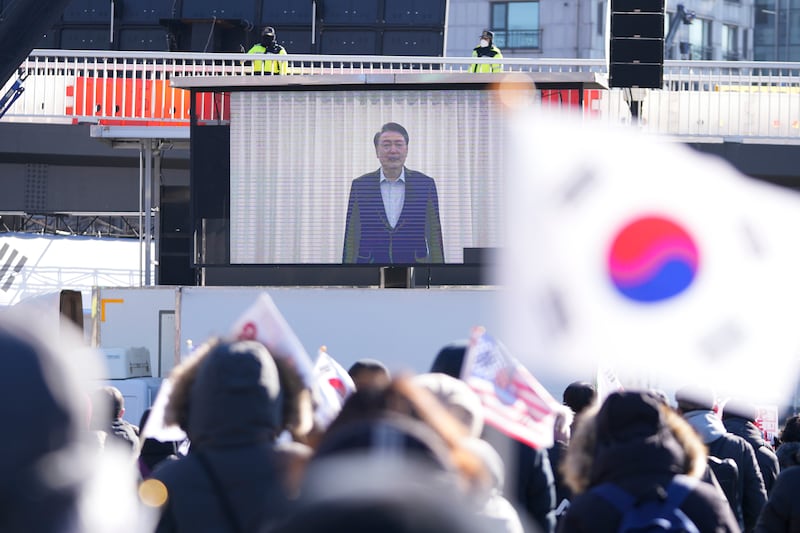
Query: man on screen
x=393 y=212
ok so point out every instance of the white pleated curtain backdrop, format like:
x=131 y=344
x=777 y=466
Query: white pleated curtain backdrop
x=294 y=155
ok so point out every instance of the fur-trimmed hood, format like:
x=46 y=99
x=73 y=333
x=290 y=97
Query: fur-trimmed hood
x=229 y=393
x=632 y=435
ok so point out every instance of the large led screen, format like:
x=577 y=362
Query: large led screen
x=296 y=154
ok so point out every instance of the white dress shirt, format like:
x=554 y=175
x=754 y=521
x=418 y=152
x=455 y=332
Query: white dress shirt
x=394 y=195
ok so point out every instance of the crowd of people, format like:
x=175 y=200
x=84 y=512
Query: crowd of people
x=405 y=453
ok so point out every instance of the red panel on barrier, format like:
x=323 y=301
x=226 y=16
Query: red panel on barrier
x=570 y=98
x=136 y=102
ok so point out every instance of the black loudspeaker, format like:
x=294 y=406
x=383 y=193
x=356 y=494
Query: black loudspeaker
x=637 y=44
x=637 y=26
x=643 y=75
x=637 y=6
x=649 y=51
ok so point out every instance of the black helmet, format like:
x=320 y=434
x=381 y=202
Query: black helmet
x=268 y=33
x=487 y=35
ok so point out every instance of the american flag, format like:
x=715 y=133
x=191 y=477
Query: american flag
x=514 y=401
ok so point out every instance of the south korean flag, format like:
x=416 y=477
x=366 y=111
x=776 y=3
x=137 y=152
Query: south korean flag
x=645 y=255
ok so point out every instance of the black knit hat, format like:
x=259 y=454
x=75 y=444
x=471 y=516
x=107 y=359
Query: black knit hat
x=694 y=398
x=450 y=359
x=579 y=395
x=740 y=409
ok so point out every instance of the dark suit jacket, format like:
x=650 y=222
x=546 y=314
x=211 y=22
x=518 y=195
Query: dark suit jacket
x=417 y=237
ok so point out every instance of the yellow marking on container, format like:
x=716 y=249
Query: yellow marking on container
x=103 y=302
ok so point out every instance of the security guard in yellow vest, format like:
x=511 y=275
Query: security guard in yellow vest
x=268 y=45
x=486 y=48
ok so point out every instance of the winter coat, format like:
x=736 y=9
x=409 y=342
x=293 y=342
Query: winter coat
x=40 y=401
x=781 y=514
x=229 y=403
x=751 y=494
x=638 y=444
x=767 y=460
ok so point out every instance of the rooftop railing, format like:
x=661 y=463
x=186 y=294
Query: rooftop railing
x=706 y=100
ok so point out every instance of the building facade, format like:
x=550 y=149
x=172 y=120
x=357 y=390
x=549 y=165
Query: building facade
x=721 y=29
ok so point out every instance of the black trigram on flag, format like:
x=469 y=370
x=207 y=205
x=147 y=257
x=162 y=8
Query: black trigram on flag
x=11 y=264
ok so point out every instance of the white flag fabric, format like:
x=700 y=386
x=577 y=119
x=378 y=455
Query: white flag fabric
x=607 y=382
x=646 y=254
x=155 y=427
x=334 y=384
x=514 y=402
x=263 y=322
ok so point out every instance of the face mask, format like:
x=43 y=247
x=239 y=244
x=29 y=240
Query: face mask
x=484 y=43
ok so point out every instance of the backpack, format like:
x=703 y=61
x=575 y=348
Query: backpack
x=651 y=515
x=726 y=472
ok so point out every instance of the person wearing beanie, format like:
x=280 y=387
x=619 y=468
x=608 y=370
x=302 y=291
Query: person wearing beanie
x=747 y=493
x=739 y=417
x=268 y=45
x=486 y=49
x=640 y=445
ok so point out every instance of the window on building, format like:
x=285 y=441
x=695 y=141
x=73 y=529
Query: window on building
x=601 y=18
x=700 y=40
x=744 y=52
x=516 y=25
x=730 y=42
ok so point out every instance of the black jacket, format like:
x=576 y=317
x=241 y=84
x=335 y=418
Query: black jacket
x=233 y=416
x=782 y=511
x=752 y=494
x=631 y=444
x=767 y=460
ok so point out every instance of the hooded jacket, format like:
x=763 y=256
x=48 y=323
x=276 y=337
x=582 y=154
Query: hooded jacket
x=228 y=401
x=640 y=445
x=751 y=494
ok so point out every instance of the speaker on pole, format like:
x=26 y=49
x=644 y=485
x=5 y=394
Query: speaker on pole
x=637 y=44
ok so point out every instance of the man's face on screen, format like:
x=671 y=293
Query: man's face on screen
x=392 y=151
